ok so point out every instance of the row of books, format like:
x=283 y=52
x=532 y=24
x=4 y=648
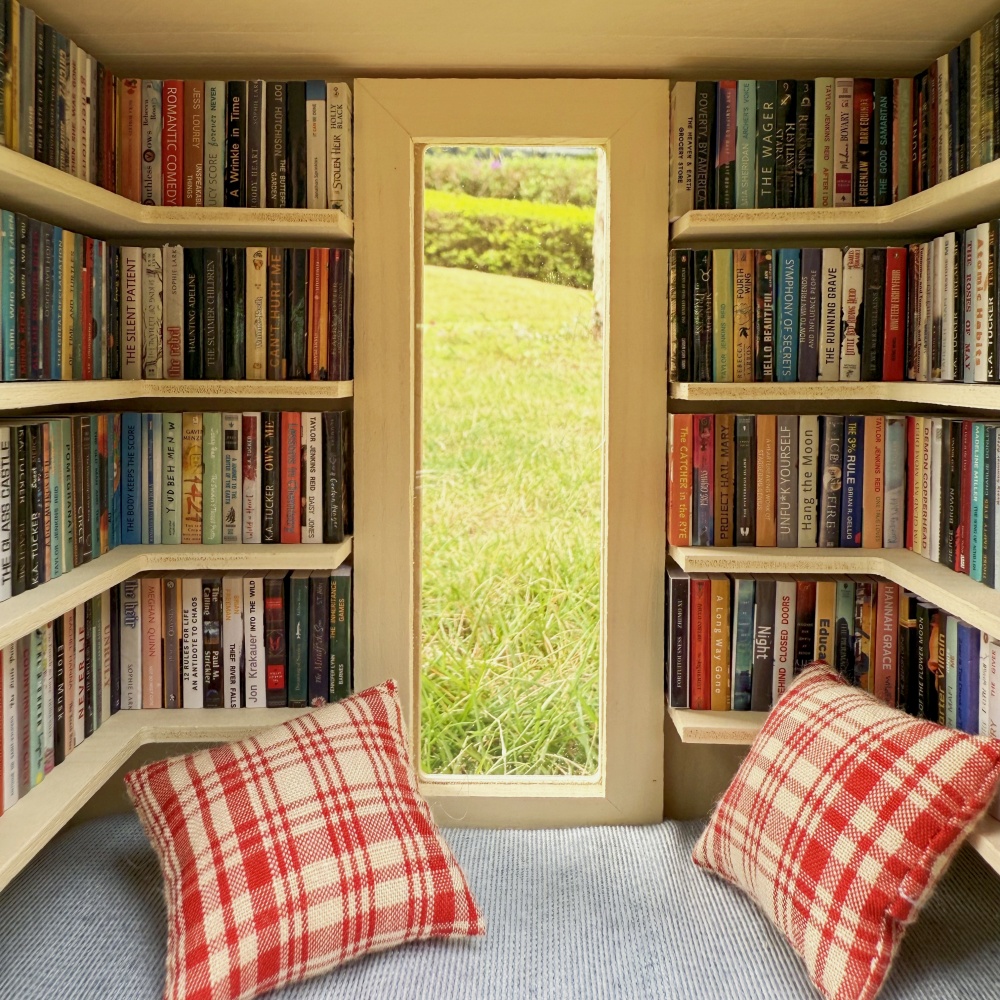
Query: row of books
x=250 y=640
x=73 y=307
x=238 y=143
x=927 y=312
x=73 y=488
x=831 y=142
x=736 y=643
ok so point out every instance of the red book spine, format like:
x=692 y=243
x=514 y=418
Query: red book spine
x=887 y=624
x=701 y=643
x=129 y=138
x=291 y=472
x=911 y=479
x=86 y=307
x=962 y=536
x=679 y=486
x=275 y=664
x=894 y=351
x=173 y=142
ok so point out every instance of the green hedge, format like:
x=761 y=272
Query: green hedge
x=523 y=239
x=556 y=180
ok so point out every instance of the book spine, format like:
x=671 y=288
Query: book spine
x=853 y=482
x=295 y=316
x=809 y=314
x=129 y=135
x=214 y=142
x=151 y=598
x=232 y=639
x=194 y=143
x=173 y=142
x=334 y=486
x=725 y=482
x=275 y=640
x=746 y=143
x=319 y=642
x=275 y=163
x=316 y=160
x=211 y=630
x=11 y=725
x=211 y=515
x=805 y=624
x=340 y=633
x=830 y=509
x=172 y=687
x=784 y=637
x=721 y=696
x=824 y=143
x=234 y=313
x=746 y=479
x=270 y=465
x=766 y=487
x=787 y=481
x=871 y=318
x=808 y=466
x=290 y=511
x=276 y=332
x=951 y=350
x=784 y=145
x=339 y=147
x=173 y=485
x=6 y=515
x=843 y=647
x=763 y=646
x=843 y=146
x=255 y=186
x=676 y=665
x=725 y=145
x=981 y=328
x=882 y=142
x=151 y=283
x=151 y=167
x=852 y=291
x=212 y=308
x=829 y=349
x=786 y=281
x=252 y=470
x=976 y=506
x=298 y=639
x=743 y=314
x=232 y=478
x=864 y=188
x=894 y=320
x=680 y=492
x=130 y=645
x=804 y=142
x=702 y=317
x=742 y=645
x=236 y=138
x=192 y=478
x=172 y=313
x=132 y=312
x=312 y=478
x=253 y=634
x=704 y=147
x=192 y=648
x=764 y=317
x=295 y=145
x=702 y=475
x=722 y=312
x=256 y=312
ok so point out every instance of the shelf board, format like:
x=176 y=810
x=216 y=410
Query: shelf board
x=732 y=728
x=21 y=614
x=955 y=593
x=961 y=394
x=38 y=395
x=44 y=192
x=956 y=203
x=34 y=820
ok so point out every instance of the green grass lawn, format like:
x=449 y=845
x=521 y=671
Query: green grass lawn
x=510 y=494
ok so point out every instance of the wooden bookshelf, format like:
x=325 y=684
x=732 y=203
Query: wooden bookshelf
x=43 y=192
x=46 y=395
x=36 y=818
x=733 y=728
x=954 y=204
x=21 y=614
x=965 y=396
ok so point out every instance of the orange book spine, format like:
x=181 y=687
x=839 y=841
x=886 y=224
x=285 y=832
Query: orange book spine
x=194 y=143
x=767 y=524
x=720 y=696
x=701 y=643
x=679 y=486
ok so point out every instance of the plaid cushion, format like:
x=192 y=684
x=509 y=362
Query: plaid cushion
x=290 y=852
x=841 y=820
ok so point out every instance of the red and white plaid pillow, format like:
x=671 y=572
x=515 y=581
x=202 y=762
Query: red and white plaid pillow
x=841 y=820
x=290 y=852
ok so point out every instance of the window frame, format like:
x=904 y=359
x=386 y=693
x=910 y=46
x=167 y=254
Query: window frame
x=628 y=120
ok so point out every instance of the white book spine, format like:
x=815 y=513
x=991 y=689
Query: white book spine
x=252 y=468
x=994 y=692
x=232 y=477
x=232 y=638
x=256 y=313
x=173 y=312
x=852 y=291
x=316 y=186
x=152 y=312
x=11 y=725
x=981 y=332
x=192 y=688
x=151 y=166
x=131 y=308
x=151 y=615
x=47 y=649
x=312 y=485
x=215 y=135
x=106 y=663
x=172 y=483
x=985 y=651
x=949 y=341
x=6 y=516
x=130 y=646
x=823 y=142
x=80 y=672
x=784 y=637
x=681 y=148
x=253 y=631
x=934 y=533
x=968 y=372
x=829 y=351
x=339 y=146
x=844 y=143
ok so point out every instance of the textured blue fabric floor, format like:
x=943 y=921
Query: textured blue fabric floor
x=605 y=913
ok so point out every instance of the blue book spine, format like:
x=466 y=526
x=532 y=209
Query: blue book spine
x=853 y=482
x=131 y=510
x=976 y=508
x=115 y=479
x=55 y=325
x=968 y=678
x=786 y=284
x=8 y=290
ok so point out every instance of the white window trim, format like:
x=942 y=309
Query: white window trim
x=628 y=119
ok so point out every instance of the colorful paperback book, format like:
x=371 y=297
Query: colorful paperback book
x=215 y=140
x=339 y=147
x=131 y=478
x=852 y=292
x=256 y=313
x=150 y=165
x=232 y=477
x=130 y=645
x=132 y=305
x=767 y=97
x=746 y=142
x=829 y=317
x=784 y=636
x=894 y=489
x=723 y=344
x=843 y=146
x=152 y=478
x=743 y=314
x=255 y=693
x=852 y=516
x=232 y=640
x=192 y=670
x=211 y=520
x=787 y=476
x=211 y=631
x=173 y=487
x=172 y=312
x=312 y=478
x=192 y=472
x=742 y=643
x=316 y=160
x=151 y=603
x=809 y=477
x=786 y=283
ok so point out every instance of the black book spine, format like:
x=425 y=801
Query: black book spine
x=767 y=97
x=276 y=279
x=683 y=316
x=923 y=135
x=275 y=163
x=883 y=151
x=704 y=145
x=833 y=456
x=36 y=515
x=236 y=101
x=295 y=143
x=50 y=98
x=90 y=696
x=784 y=146
x=333 y=476
x=59 y=690
x=41 y=118
x=254 y=152
x=809 y=314
x=295 y=321
x=725 y=144
x=116 y=650
x=193 y=277
x=234 y=312
x=992 y=370
x=989 y=508
x=213 y=356
x=805 y=91
x=951 y=434
x=319 y=644
x=87 y=546
x=269 y=524
x=339 y=308
x=211 y=625
x=746 y=480
x=19 y=508
x=702 y=341
x=678 y=601
x=763 y=361
x=105 y=425
x=763 y=645
x=114 y=319
x=958 y=71
x=275 y=640
x=864 y=150
x=873 y=312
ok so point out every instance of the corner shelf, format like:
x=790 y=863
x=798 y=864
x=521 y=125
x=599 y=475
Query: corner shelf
x=956 y=203
x=42 y=395
x=965 y=395
x=955 y=593
x=22 y=614
x=44 y=192
x=34 y=820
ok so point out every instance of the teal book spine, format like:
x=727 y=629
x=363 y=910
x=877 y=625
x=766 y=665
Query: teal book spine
x=746 y=143
x=172 y=482
x=8 y=298
x=211 y=519
x=786 y=284
x=742 y=680
x=976 y=507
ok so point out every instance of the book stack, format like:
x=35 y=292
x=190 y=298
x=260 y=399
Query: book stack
x=73 y=488
x=736 y=642
x=836 y=141
x=230 y=641
x=213 y=143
